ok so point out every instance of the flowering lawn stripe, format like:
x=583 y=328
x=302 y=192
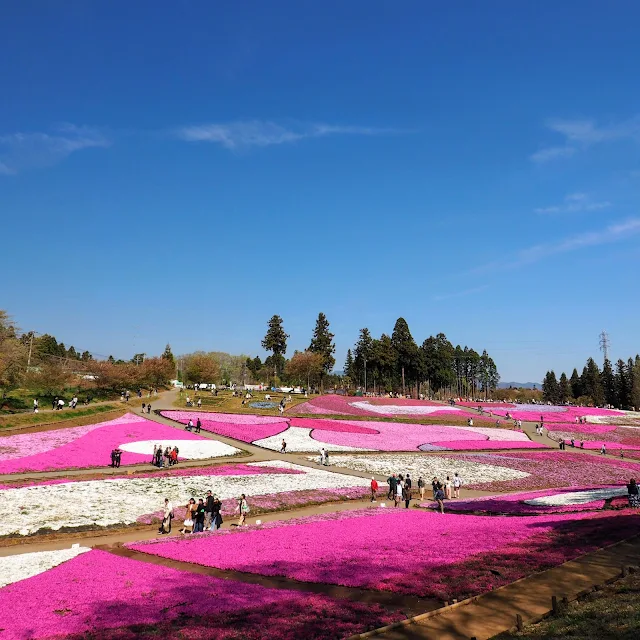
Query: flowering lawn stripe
x=537 y=502
x=77 y=598
x=594 y=435
x=245 y=428
x=91 y=446
x=361 y=549
x=552 y=413
x=546 y=470
x=103 y=503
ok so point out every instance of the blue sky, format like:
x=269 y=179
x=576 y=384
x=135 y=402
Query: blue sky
x=180 y=171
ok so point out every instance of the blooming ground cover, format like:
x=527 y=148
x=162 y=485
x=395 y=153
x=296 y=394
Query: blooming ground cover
x=552 y=413
x=537 y=502
x=595 y=435
x=96 y=591
x=91 y=445
x=546 y=470
x=428 y=467
x=122 y=501
x=438 y=555
x=25 y=565
x=310 y=434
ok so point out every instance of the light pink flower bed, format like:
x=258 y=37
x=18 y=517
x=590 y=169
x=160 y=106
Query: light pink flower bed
x=594 y=435
x=83 y=447
x=485 y=445
x=552 y=469
x=97 y=591
x=400 y=436
x=553 y=413
x=245 y=428
x=514 y=503
x=405 y=551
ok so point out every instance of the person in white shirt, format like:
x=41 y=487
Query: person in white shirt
x=35 y=405
x=457 y=483
x=167 y=516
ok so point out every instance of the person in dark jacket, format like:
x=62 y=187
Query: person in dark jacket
x=392 y=481
x=198 y=521
x=216 y=516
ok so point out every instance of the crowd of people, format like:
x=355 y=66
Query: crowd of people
x=203 y=514
x=167 y=457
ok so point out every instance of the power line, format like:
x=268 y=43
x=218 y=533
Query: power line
x=605 y=344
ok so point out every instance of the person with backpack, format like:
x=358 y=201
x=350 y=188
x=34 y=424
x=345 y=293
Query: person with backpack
x=439 y=498
x=421 y=487
x=243 y=509
x=392 y=481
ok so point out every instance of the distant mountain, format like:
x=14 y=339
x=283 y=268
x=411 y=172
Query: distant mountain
x=520 y=385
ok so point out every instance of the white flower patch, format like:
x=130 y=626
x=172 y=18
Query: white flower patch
x=27 y=565
x=299 y=439
x=395 y=409
x=188 y=449
x=426 y=466
x=577 y=497
x=25 y=510
x=504 y=435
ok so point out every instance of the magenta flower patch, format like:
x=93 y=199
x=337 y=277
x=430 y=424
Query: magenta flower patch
x=84 y=447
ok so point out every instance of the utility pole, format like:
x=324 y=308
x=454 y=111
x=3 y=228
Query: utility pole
x=605 y=344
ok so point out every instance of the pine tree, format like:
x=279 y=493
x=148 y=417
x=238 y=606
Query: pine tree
x=623 y=384
x=564 y=388
x=348 y=364
x=488 y=372
x=635 y=384
x=591 y=384
x=363 y=352
x=608 y=382
x=168 y=355
x=322 y=343
x=550 y=388
x=275 y=341
x=406 y=352
x=576 y=387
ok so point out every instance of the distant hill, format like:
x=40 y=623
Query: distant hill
x=520 y=385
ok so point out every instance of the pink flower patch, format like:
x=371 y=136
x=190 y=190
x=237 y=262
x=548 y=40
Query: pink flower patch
x=98 y=591
x=337 y=426
x=86 y=447
x=245 y=428
x=489 y=445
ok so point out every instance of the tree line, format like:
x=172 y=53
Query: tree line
x=618 y=387
x=396 y=362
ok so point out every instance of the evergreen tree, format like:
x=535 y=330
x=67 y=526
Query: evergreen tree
x=348 y=364
x=550 y=388
x=72 y=354
x=564 y=388
x=322 y=343
x=576 y=387
x=488 y=373
x=383 y=362
x=591 y=383
x=362 y=354
x=608 y=382
x=86 y=356
x=275 y=341
x=168 y=355
x=406 y=352
x=623 y=383
x=635 y=384
x=111 y=360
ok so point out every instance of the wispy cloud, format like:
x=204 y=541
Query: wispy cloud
x=460 y=294
x=259 y=133
x=610 y=235
x=575 y=203
x=582 y=134
x=20 y=151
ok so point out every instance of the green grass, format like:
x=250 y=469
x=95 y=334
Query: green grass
x=52 y=417
x=612 y=613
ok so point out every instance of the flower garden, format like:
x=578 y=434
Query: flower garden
x=311 y=434
x=547 y=506
x=91 y=445
x=361 y=549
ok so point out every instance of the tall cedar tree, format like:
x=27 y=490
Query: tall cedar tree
x=406 y=353
x=275 y=341
x=348 y=364
x=576 y=386
x=168 y=355
x=591 y=383
x=322 y=344
x=363 y=352
x=608 y=384
x=564 y=388
x=550 y=390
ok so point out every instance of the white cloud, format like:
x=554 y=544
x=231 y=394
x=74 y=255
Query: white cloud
x=610 y=235
x=19 y=151
x=260 y=133
x=582 y=134
x=575 y=203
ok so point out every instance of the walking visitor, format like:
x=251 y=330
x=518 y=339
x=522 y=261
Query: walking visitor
x=634 y=497
x=243 y=509
x=374 y=489
x=167 y=517
x=421 y=487
x=457 y=483
x=188 y=517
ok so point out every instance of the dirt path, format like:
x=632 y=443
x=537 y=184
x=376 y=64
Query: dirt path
x=488 y=615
